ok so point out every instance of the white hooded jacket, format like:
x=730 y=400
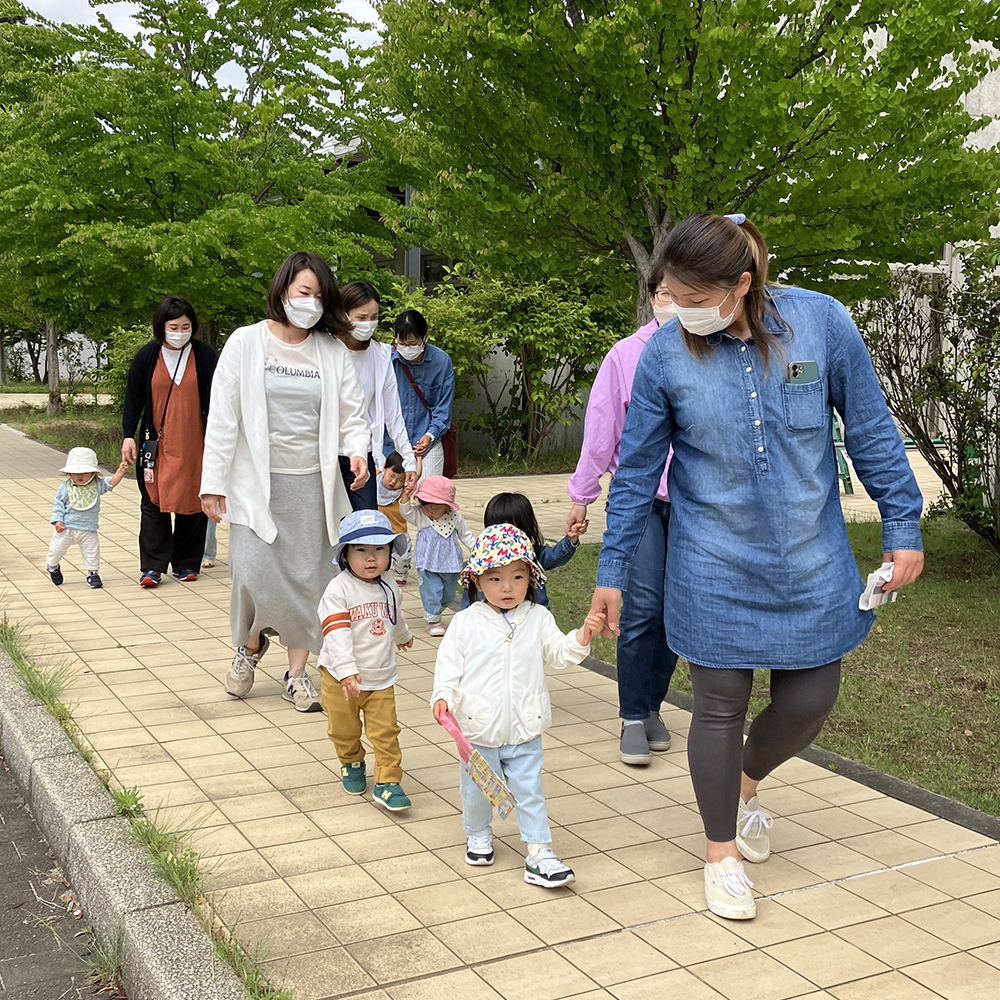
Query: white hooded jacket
x=492 y=674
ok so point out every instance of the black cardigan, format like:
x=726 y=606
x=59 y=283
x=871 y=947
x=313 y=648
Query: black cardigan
x=139 y=390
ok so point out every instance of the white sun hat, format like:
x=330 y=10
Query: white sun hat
x=81 y=460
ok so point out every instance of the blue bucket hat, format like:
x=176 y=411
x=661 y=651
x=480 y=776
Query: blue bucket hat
x=367 y=527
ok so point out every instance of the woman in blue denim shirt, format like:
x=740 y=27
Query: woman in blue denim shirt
x=760 y=574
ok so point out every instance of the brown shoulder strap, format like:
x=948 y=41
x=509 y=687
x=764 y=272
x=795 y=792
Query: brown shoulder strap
x=416 y=388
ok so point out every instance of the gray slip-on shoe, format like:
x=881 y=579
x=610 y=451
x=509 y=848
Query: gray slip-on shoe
x=657 y=734
x=634 y=748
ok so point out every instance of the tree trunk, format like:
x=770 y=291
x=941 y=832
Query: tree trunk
x=3 y=354
x=52 y=366
x=643 y=308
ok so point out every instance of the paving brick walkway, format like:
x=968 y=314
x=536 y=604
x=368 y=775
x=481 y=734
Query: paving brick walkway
x=864 y=897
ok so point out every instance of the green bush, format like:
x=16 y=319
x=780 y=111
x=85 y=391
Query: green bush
x=123 y=345
x=553 y=335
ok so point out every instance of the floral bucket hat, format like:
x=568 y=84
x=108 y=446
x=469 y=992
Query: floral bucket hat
x=501 y=545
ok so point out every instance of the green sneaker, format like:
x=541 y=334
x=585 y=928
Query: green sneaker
x=391 y=797
x=353 y=776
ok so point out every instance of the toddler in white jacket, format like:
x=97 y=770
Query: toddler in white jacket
x=490 y=673
x=363 y=625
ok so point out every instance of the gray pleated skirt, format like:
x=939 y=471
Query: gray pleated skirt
x=277 y=587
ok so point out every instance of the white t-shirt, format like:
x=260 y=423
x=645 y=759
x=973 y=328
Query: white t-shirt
x=176 y=361
x=293 y=391
x=364 y=365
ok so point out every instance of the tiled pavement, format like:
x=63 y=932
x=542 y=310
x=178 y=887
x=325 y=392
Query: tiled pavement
x=865 y=896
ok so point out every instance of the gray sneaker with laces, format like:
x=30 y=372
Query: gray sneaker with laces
x=239 y=680
x=634 y=747
x=300 y=692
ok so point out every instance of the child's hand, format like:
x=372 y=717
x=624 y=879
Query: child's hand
x=349 y=685
x=405 y=645
x=593 y=625
x=60 y=527
x=441 y=707
x=577 y=529
x=125 y=465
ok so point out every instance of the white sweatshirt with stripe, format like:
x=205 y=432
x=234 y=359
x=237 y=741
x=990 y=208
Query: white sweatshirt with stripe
x=359 y=633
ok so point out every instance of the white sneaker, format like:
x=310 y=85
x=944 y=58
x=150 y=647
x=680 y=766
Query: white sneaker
x=300 y=692
x=545 y=869
x=752 y=838
x=479 y=848
x=727 y=890
x=436 y=629
x=239 y=680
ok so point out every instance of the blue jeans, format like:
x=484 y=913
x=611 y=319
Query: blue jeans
x=437 y=591
x=521 y=768
x=645 y=661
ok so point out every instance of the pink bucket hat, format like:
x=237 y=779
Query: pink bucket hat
x=437 y=489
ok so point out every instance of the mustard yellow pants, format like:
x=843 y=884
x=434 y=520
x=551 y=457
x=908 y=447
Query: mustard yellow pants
x=381 y=728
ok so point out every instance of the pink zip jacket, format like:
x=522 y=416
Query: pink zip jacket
x=605 y=419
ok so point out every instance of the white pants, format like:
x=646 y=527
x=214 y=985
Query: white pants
x=433 y=461
x=90 y=548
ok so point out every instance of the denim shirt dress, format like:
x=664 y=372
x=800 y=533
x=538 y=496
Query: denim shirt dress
x=760 y=573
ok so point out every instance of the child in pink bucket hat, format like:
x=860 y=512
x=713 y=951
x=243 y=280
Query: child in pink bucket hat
x=441 y=532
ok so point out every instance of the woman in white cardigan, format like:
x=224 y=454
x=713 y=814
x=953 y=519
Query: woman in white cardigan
x=286 y=404
x=373 y=364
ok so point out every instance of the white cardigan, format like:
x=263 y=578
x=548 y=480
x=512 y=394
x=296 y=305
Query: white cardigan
x=237 y=459
x=387 y=413
x=493 y=677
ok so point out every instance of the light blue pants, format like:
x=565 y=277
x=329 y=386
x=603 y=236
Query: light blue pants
x=437 y=591
x=211 y=542
x=521 y=767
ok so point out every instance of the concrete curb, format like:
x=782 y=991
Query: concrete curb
x=165 y=954
x=896 y=788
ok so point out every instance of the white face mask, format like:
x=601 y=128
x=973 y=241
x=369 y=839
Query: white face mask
x=664 y=313
x=176 y=339
x=363 y=329
x=303 y=313
x=409 y=352
x=703 y=321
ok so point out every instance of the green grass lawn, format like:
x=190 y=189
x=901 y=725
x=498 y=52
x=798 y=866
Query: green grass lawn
x=921 y=697
x=83 y=425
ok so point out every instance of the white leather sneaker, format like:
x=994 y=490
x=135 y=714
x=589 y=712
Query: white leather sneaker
x=727 y=890
x=752 y=838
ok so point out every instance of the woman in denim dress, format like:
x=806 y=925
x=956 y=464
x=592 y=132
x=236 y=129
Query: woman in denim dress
x=760 y=573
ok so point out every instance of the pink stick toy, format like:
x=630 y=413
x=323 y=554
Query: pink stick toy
x=489 y=782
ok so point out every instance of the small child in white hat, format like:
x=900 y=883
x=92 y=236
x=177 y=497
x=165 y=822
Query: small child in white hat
x=75 y=511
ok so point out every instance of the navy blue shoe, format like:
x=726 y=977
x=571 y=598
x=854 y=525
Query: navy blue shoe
x=94 y=580
x=186 y=575
x=150 y=578
x=55 y=574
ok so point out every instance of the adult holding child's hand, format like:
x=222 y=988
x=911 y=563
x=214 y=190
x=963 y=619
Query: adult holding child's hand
x=759 y=572
x=286 y=404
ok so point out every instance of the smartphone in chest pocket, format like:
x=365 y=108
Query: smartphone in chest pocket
x=801 y=372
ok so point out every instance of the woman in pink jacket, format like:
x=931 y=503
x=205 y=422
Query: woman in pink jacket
x=645 y=661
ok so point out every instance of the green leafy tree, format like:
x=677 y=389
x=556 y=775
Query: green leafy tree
x=527 y=349
x=190 y=158
x=547 y=133
x=935 y=344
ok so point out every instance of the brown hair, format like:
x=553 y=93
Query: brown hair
x=712 y=251
x=358 y=293
x=172 y=307
x=333 y=320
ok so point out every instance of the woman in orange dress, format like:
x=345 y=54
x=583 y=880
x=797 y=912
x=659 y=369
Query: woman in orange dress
x=169 y=386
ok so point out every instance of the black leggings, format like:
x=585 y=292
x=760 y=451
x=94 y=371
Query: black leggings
x=800 y=702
